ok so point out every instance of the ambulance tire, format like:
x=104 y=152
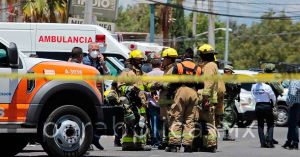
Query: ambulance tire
x=11 y=145
x=67 y=132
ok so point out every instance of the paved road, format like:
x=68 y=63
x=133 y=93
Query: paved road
x=247 y=145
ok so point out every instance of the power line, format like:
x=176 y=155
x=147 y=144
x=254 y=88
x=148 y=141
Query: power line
x=259 y=3
x=222 y=14
x=232 y=8
x=268 y=35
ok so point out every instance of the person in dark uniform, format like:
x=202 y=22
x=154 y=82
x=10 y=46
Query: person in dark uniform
x=276 y=87
x=265 y=100
x=232 y=92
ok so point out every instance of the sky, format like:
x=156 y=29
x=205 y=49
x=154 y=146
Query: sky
x=240 y=7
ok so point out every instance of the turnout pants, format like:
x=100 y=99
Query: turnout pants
x=182 y=117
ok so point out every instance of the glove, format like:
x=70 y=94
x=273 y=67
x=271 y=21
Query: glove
x=205 y=102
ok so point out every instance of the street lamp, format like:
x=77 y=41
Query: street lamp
x=217 y=29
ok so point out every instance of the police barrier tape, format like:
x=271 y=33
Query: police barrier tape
x=243 y=78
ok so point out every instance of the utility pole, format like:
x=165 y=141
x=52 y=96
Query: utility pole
x=195 y=25
x=165 y=15
x=152 y=24
x=227 y=37
x=195 y=20
x=88 y=12
x=211 y=25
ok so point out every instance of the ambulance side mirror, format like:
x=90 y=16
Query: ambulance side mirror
x=13 y=55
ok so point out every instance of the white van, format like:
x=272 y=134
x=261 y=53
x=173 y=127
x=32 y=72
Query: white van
x=244 y=111
x=55 y=41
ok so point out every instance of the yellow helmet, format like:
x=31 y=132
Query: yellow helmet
x=169 y=52
x=206 y=48
x=136 y=54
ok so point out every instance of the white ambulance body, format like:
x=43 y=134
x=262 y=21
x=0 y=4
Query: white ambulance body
x=55 y=41
x=143 y=46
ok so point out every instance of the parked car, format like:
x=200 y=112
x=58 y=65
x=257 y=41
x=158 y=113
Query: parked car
x=245 y=109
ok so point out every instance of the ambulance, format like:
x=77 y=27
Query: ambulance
x=144 y=46
x=55 y=41
x=62 y=115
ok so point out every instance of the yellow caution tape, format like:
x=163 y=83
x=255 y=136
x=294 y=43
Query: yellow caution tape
x=168 y=78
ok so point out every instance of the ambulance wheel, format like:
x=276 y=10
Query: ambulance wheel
x=67 y=132
x=10 y=145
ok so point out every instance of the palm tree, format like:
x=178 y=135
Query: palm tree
x=59 y=7
x=42 y=10
x=29 y=11
x=36 y=11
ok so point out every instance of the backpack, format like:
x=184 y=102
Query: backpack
x=187 y=68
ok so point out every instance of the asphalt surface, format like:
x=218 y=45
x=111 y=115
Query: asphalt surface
x=246 y=145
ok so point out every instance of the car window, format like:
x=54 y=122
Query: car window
x=3 y=58
x=113 y=70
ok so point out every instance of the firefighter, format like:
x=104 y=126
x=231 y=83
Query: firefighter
x=169 y=56
x=182 y=111
x=209 y=94
x=134 y=135
x=219 y=108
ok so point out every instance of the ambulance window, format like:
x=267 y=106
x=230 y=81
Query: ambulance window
x=113 y=70
x=3 y=57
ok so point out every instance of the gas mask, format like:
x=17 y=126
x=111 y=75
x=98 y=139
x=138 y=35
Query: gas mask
x=94 y=54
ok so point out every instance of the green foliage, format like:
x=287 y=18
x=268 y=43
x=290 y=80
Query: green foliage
x=45 y=11
x=134 y=19
x=269 y=40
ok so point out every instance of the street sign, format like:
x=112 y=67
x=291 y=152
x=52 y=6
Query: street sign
x=105 y=10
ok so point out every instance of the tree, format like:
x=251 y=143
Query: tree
x=59 y=7
x=45 y=10
x=268 y=40
x=134 y=18
x=178 y=28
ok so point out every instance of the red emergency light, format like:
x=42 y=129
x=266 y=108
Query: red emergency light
x=132 y=47
x=100 y=38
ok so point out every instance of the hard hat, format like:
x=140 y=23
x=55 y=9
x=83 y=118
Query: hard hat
x=229 y=67
x=206 y=48
x=269 y=68
x=169 y=52
x=136 y=54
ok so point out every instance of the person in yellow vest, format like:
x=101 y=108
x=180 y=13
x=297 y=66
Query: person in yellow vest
x=134 y=136
x=182 y=111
